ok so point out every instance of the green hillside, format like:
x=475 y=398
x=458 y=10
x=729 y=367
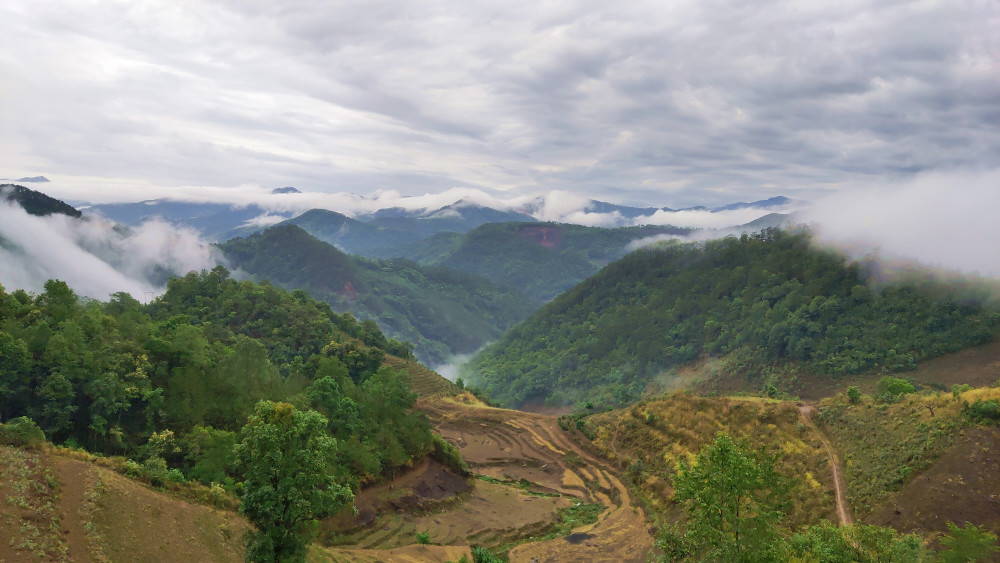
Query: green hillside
x=772 y=305
x=35 y=202
x=441 y=311
x=540 y=260
x=170 y=384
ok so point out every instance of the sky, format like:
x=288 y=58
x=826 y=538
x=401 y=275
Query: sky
x=678 y=103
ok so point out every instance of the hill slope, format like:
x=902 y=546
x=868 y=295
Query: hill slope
x=769 y=304
x=540 y=260
x=441 y=311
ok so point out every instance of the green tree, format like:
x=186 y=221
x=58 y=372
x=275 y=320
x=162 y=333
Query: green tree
x=971 y=543
x=285 y=457
x=734 y=500
x=853 y=394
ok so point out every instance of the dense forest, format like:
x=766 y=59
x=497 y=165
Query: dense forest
x=441 y=311
x=540 y=260
x=763 y=301
x=170 y=384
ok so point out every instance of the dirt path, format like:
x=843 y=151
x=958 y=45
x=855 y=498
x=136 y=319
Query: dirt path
x=838 y=479
x=72 y=476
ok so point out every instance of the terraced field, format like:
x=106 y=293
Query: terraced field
x=514 y=446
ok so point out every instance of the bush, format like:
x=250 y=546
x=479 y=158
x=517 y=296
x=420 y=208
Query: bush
x=983 y=411
x=449 y=455
x=484 y=555
x=22 y=432
x=424 y=538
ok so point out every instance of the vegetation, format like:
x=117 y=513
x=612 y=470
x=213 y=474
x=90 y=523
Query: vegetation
x=884 y=444
x=284 y=455
x=442 y=311
x=35 y=202
x=734 y=500
x=769 y=303
x=541 y=260
x=652 y=438
x=169 y=384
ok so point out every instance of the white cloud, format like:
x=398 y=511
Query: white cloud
x=91 y=256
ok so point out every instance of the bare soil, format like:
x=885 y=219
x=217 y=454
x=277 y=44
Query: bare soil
x=962 y=486
x=74 y=479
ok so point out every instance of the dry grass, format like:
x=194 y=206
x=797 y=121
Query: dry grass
x=649 y=439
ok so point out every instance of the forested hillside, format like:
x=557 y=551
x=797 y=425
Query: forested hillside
x=771 y=304
x=441 y=311
x=35 y=202
x=170 y=384
x=540 y=260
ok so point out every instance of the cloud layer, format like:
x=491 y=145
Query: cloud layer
x=676 y=103
x=94 y=258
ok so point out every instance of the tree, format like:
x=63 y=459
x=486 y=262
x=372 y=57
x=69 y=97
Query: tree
x=971 y=543
x=853 y=394
x=734 y=501
x=285 y=457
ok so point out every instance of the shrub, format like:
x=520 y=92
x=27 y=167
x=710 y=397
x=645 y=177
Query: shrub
x=22 y=432
x=484 y=555
x=853 y=394
x=983 y=411
x=424 y=538
x=448 y=454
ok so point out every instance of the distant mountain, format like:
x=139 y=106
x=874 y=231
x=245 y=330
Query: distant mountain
x=779 y=201
x=459 y=217
x=285 y=190
x=442 y=311
x=34 y=202
x=211 y=219
x=39 y=179
x=540 y=260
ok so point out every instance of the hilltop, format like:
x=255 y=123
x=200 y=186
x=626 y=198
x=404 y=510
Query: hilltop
x=766 y=307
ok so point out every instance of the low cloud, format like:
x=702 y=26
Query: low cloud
x=94 y=257
x=942 y=220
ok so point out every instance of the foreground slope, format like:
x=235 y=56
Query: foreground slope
x=771 y=306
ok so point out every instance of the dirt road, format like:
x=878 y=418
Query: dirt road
x=843 y=512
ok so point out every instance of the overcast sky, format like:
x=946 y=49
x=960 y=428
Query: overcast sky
x=665 y=103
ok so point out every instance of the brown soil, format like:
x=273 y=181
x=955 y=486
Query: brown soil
x=409 y=554
x=135 y=523
x=74 y=479
x=418 y=489
x=549 y=237
x=962 y=486
x=515 y=445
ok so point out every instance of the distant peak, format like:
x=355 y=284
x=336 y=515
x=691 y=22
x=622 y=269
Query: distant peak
x=285 y=190
x=33 y=179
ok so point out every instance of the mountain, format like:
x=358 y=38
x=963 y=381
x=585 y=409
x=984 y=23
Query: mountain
x=286 y=190
x=35 y=203
x=540 y=260
x=779 y=201
x=442 y=311
x=212 y=220
x=459 y=217
x=767 y=307
x=350 y=235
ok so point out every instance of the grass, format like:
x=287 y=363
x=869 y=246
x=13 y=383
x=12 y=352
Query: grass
x=649 y=439
x=885 y=445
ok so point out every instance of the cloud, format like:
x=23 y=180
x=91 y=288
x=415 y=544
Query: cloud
x=696 y=102
x=943 y=220
x=93 y=257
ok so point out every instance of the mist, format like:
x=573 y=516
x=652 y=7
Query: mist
x=941 y=220
x=453 y=369
x=95 y=257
